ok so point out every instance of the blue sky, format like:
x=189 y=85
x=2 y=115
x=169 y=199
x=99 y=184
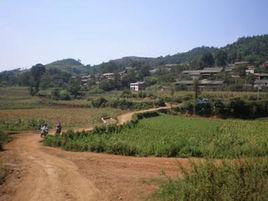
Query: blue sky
x=99 y=30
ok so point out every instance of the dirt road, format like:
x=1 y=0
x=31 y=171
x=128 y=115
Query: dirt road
x=44 y=173
x=123 y=118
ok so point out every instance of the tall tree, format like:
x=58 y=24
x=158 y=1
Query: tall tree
x=36 y=72
x=207 y=60
x=74 y=87
x=221 y=58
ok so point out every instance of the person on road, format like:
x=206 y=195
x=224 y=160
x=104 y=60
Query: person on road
x=44 y=130
x=58 y=128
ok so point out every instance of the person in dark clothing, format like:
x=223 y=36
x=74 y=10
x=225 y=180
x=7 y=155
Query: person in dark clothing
x=58 y=128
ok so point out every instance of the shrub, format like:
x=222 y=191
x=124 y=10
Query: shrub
x=160 y=102
x=64 y=95
x=99 y=102
x=126 y=94
x=218 y=108
x=4 y=138
x=204 y=108
x=247 y=180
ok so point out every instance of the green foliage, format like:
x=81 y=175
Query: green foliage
x=174 y=136
x=70 y=66
x=21 y=124
x=74 y=87
x=99 y=102
x=207 y=60
x=125 y=104
x=36 y=73
x=230 y=181
x=234 y=108
x=4 y=138
x=221 y=58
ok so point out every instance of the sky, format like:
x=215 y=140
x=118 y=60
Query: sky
x=96 y=31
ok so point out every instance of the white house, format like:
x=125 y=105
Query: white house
x=137 y=86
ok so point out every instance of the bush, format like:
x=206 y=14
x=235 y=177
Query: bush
x=187 y=107
x=235 y=108
x=204 y=108
x=4 y=138
x=126 y=94
x=64 y=95
x=99 y=102
x=238 y=108
x=160 y=102
x=247 y=180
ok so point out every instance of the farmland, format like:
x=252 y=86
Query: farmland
x=178 y=136
x=17 y=97
x=70 y=117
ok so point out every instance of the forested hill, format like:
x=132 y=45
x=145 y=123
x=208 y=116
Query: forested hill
x=71 y=66
x=253 y=49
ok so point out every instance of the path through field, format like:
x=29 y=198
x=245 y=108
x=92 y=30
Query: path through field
x=53 y=174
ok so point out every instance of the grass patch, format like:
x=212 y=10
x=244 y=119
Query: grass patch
x=175 y=136
x=246 y=180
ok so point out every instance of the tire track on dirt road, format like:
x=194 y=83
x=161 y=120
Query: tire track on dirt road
x=49 y=177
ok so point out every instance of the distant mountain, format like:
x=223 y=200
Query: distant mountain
x=253 y=49
x=71 y=66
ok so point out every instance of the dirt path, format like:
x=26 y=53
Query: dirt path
x=123 y=118
x=47 y=176
x=53 y=174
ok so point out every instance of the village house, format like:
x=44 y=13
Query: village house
x=137 y=86
x=250 y=70
x=205 y=73
x=265 y=64
x=170 y=65
x=84 y=79
x=202 y=84
x=229 y=68
x=261 y=76
x=241 y=63
x=107 y=76
x=260 y=84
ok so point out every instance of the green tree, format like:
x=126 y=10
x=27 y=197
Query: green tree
x=221 y=58
x=250 y=78
x=207 y=60
x=36 y=73
x=74 y=87
x=196 y=93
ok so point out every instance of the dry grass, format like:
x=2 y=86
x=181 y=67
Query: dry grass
x=70 y=117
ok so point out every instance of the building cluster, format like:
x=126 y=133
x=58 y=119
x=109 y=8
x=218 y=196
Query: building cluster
x=208 y=78
x=260 y=79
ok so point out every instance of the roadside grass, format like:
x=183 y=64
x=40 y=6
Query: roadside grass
x=31 y=119
x=175 y=136
x=244 y=180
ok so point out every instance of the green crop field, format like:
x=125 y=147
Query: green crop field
x=178 y=136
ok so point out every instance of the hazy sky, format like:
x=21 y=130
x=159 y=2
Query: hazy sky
x=33 y=31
